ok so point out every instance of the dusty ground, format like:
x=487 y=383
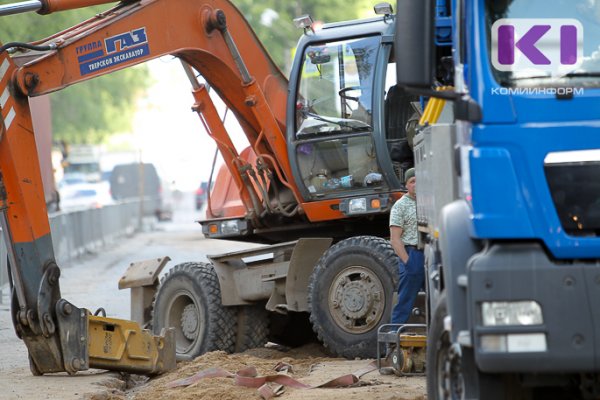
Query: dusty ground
x=310 y=365
x=19 y=384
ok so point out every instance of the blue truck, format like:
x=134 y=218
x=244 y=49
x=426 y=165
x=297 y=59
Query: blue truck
x=508 y=193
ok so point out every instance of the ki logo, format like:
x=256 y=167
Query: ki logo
x=552 y=45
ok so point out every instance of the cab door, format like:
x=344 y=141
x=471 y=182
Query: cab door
x=333 y=145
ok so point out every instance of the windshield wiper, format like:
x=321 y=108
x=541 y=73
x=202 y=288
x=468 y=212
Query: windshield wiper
x=522 y=78
x=582 y=74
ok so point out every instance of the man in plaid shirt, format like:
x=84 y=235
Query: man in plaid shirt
x=404 y=239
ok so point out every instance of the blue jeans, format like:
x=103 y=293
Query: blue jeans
x=412 y=279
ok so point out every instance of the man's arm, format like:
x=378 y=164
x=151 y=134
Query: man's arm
x=397 y=243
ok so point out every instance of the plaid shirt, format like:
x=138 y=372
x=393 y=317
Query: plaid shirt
x=404 y=215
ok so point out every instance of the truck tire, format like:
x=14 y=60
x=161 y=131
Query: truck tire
x=189 y=300
x=350 y=294
x=444 y=376
x=252 y=327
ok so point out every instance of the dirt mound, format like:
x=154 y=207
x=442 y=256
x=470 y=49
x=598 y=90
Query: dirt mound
x=310 y=365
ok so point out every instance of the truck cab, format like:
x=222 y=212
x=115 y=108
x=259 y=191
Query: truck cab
x=83 y=160
x=509 y=215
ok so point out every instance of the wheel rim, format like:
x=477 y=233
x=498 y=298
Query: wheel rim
x=187 y=318
x=356 y=299
x=449 y=371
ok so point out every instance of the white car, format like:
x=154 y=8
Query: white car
x=82 y=196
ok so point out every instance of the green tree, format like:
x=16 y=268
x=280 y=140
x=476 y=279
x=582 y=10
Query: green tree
x=272 y=20
x=89 y=111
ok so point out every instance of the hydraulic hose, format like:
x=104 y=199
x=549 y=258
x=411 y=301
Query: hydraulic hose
x=27 y=46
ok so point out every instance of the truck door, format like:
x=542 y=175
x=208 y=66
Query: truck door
x=335 y=150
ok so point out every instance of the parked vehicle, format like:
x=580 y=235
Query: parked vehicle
x=83 y=196
x=140 y=180
x=85 y=160
x=72 y=178
x=201 y=195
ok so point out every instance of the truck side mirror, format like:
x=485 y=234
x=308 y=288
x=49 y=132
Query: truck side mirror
x=414 y=38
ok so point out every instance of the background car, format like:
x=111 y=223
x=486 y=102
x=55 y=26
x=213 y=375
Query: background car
x=72 y=179
x=128 y=181
x=201 y=195
x=83 y=196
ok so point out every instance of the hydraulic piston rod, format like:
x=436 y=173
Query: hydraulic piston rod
x=22 y=7
x=48 y=6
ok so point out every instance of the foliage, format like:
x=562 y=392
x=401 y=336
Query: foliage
x=89 y=111
x=272 y=20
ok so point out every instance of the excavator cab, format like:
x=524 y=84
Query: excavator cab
x=341 y=145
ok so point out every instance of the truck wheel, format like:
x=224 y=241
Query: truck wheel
x=252 y=327
x=444 y=374
x=189 y=300
x=452 y=373
x=350 y=294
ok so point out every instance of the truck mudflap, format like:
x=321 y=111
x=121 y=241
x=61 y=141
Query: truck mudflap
x=567 y=336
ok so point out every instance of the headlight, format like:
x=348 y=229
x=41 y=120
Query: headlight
x=230 y=227
x=220 y=228
x=357 y=206
x=372 y=204
x=502 y=313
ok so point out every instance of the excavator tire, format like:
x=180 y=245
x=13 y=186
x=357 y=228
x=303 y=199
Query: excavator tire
x=350 y=294
x=252 y=327
x=189 y=300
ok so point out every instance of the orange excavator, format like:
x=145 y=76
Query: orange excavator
x=327 y=153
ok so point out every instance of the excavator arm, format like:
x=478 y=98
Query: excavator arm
x=210 y=37
x=214 y=39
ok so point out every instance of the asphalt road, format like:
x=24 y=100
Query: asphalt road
x=91 y=282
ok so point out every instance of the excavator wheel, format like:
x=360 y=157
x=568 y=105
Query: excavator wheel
x=350 y=294
x=189 y=300
x=252 y=327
